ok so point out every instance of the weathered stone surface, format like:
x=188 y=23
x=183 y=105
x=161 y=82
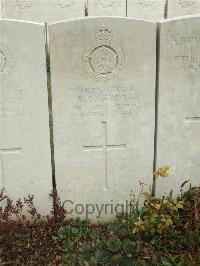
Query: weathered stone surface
x=146 y=9
x=25 y=165
x=43 y=10
x=65 y=9
x=183 y=7
x=107 y=8
x=29 y=10
x=103 y=109
x=1 y=10
x=179 y=97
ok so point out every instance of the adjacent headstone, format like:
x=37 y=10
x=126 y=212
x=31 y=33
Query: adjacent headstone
x=30 y=10
x=1 y=9
x=103 y=111
x=43 y=10
x=146 y=9
x=25 y=165
x=107 y=8
x=64 y=9
x=183 y=7
x=179 y=97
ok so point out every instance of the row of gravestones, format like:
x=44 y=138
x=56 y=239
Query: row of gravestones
x=103 y=94
x=54 y=10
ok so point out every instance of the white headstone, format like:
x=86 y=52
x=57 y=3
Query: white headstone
x=103 y=109
x=183 y=7
x=1 y=10
x=146 y=9
x=25 y=165
x=107 y=8
x=43 y=10
x=179 y=97
x=30 y=10
x=57 y=10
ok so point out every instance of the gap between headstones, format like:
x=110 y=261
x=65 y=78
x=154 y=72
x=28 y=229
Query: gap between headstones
x=48 y=69
x=156 y=104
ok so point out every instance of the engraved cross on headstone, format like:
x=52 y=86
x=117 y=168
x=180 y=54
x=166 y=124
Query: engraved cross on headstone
x=193 y=118
x=2 y=152
x=105 y=148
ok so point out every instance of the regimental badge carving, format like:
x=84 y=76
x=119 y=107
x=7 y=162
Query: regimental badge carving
x=145 y=3
x=24 y=4
x=65 y=3
x=186 y=3
x=5 y=61
x=106 y=3
x=104 y=58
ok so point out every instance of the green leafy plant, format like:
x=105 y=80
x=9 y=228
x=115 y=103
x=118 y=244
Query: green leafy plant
x=157 y=231
x=114 y=244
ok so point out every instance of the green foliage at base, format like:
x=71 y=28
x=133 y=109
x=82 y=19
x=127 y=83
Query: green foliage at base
x=164 y=232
